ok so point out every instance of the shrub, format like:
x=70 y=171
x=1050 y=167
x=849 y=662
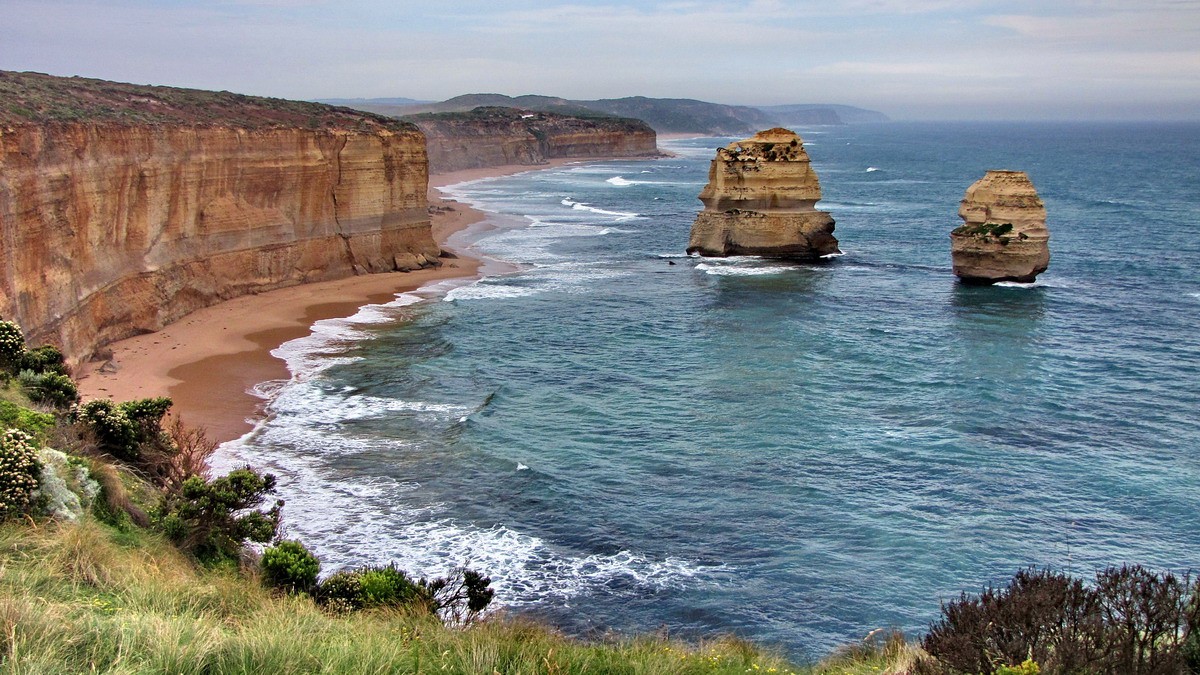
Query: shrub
x=214 y=519
x=339 y=591
x=290 y=566
x=388 y=587
x=65 y=486
x=1131 y=621
x=457 y=599
x=19 y=471
x=461 y=597
x=369 y=587
x=12 y=346
x=122 y=428
x=44 y=359
x=51 y=388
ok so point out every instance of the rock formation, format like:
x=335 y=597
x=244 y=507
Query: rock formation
x=1004 y=236
x=487 y=137
x=760 y=200
x=111 y=227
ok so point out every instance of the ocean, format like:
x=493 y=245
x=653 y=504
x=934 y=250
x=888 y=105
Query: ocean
x=628 y=439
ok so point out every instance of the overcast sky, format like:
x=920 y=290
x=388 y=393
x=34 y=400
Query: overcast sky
x=942 y=59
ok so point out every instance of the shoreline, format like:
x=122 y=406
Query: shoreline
x=209 y=361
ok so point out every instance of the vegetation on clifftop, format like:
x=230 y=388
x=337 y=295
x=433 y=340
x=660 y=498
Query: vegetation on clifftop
x=36 y=98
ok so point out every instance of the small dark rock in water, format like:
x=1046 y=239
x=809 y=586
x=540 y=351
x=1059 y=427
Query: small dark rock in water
x=670 y=262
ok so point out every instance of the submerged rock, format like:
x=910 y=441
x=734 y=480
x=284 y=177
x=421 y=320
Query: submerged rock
x=1004 y=236
x=761 y=200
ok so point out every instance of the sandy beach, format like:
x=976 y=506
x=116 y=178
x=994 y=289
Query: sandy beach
x=208 y=361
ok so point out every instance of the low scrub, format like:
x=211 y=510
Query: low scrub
x=1129 y=621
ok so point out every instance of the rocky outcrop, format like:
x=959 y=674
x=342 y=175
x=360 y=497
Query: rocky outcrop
x=108 y=230
x=761 y=200
x=1004 y=236
x=487 y=137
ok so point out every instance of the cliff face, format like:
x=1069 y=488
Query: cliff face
x=1004 y=236
x=501 y=136
x=111 y=230
x=761 y=200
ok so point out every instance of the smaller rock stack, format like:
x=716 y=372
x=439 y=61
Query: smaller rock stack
x=1004 y=236
x=760 y=200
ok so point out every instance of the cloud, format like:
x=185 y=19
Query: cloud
x=888 y=54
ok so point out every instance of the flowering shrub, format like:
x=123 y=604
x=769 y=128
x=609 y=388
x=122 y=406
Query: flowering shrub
x=19 y=471
x=115 y=432
x=12 y=346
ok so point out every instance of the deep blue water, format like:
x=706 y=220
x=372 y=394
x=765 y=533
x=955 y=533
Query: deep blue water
x=798 y=454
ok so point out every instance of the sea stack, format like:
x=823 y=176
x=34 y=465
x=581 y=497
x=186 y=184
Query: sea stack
x=761 y=200
x=1004 y=236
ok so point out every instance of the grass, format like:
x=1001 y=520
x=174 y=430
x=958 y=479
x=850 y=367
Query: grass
x=88 y=598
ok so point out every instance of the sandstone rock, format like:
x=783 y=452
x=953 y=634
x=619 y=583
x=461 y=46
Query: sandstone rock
x=1004 y=236
x=761 y=200
x=109 y=230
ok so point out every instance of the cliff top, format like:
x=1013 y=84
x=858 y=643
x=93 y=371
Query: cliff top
x=35 y=98
x=490 y=116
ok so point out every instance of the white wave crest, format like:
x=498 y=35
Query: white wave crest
x=489 y=291
x=738 y=270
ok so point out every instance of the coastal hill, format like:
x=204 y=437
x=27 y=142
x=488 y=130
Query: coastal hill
x=496 y=136
x=126 y=207
x=664 y=115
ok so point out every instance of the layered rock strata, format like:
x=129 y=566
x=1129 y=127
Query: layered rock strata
x=1004 y=235
x=761 y=200
x=108 y=230
x=487 y=137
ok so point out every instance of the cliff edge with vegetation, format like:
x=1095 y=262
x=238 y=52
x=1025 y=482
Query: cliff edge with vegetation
x=124 y=207
x=499 y=136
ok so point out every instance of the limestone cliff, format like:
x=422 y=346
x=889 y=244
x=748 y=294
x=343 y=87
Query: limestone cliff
x=1004 y=236
x=118 y=220
x=494 y=136
x=761 y=200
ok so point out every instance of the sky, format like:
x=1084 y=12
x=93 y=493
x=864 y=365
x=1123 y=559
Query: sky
x=912 y=59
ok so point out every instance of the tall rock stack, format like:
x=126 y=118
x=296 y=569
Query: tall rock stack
x=1004 y=236
x=761 y=200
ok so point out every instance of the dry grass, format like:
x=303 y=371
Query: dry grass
x=86 y=597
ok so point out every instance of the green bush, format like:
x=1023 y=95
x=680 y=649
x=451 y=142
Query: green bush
x=12 y=346
x=290 y=566
x=369 y=587
x=122 y=428
x=51 y=388
x=214 y=519
x=339 y=591
x=457 y=599
x=44 y=359
x=114 y=432
x=19 y=472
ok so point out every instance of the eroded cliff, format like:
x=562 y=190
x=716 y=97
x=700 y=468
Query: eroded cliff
x=487 y=137
x=111 y=228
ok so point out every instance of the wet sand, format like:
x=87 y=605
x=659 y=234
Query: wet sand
x=208 y=361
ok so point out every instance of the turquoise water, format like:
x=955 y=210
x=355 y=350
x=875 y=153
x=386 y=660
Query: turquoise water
x=798 y=454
